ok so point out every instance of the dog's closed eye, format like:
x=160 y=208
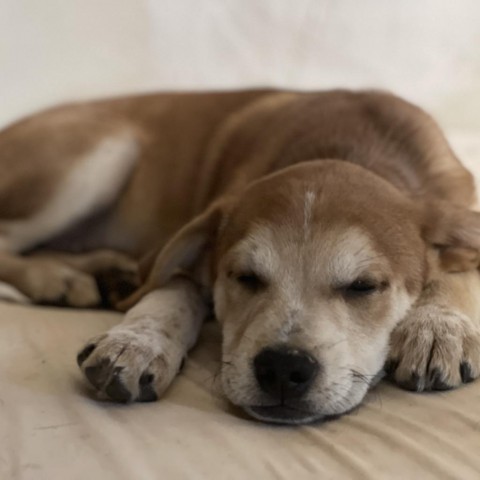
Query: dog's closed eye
x=249 y=280
x=363 y=287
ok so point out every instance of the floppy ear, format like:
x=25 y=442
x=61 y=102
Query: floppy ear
x=182 y=253
x=455 y=231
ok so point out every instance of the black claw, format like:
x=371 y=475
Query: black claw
x=116 y=389
x=466 y=372
x=85 y=353
x=412 y=384
x=97 y=374
x=437 y=381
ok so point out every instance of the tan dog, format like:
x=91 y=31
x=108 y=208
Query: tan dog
x=332 y=231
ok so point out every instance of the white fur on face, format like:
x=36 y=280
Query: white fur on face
x=303 y=305
x=92 y=183
x=309 y=201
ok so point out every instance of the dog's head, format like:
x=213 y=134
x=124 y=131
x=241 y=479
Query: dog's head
x=312 y=269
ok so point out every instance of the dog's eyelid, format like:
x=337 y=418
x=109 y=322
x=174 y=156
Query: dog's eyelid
x=249 y=279
x=363 y=285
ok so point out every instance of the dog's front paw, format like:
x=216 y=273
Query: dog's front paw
x=130 y=364
x=434 y=348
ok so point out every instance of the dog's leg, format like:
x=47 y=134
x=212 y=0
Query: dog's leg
x=116 y=274
x=80 y=280
x=58 y=173
x=46 y=281
x=437 y=346
x=138 y=359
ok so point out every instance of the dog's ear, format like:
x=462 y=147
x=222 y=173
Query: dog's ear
x=455 y=232
x=185 y=252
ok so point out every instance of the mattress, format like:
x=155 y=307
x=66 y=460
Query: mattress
x=53 y=428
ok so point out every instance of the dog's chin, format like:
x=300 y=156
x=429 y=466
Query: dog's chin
x=285 y=415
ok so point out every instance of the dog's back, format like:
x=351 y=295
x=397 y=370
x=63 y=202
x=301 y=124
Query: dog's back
x=172 y=154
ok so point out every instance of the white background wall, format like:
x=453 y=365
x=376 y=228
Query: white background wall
x=59 y=50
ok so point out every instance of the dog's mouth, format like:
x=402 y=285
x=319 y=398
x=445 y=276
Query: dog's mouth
x=284 y=414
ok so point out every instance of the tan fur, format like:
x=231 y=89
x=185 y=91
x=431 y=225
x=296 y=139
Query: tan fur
x=310 y=191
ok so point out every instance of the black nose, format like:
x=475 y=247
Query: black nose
x=284 y=372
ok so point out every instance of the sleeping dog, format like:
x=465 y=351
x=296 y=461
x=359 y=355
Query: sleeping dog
x=331 y=233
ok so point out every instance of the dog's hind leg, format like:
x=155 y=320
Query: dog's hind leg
x=92 y=279
x=60 y=167
x=116 y=274
x=92 y=183
x=46 y=281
